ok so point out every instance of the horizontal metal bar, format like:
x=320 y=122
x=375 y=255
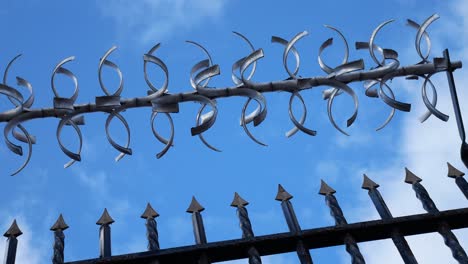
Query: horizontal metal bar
x=286 y=85
x=286 y=242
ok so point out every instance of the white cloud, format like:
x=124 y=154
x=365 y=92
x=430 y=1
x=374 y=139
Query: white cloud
x=151 y=20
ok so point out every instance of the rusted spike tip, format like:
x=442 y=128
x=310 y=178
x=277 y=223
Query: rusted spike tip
x=59 y=224
x=369 y=184
x=105 y=219
x=149 y=212
x=282 y=194
x=454 y=172
x=325 y=189
x=411 y=178
x=13 y=231
x=238 y=201
x=195 y=206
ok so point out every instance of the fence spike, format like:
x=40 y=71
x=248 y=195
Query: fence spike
x=284 y=197
x=428 y=204
x=411 y=178
x=195 y=208
x=151 y=227
x=59 y=240
x=246 y=226
x=105 y=234
x=459 y=180
x=12 y=243
x=335 y=211
x=379 y=203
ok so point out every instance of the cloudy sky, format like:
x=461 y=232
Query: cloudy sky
x=46 y=33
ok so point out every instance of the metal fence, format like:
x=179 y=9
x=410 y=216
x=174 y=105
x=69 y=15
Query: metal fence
x=296 y=240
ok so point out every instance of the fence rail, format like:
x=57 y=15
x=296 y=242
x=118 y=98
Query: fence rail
x=296 y=240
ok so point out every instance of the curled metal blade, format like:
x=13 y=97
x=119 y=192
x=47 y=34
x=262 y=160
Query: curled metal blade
x=206 y=65
x=203 y=75
x=28 y=103
x=168 y=142
x=209 y=121
x=149 y=57
x=61 y=70
x=298 y=125
x=21 y=136
x=348 y=90
x=328 y=43
x=371 y=92
x=284 y=42
x=416 y=26
x=239 y=62
x=202 y=118
x=249 y=60
x=288 y=48
x=347 y=68
x=421 y=33
x=244 y=125
x=372 y=39
x=431 y=106
x=391 y=101
x=103 y=61
x=124 y=150
x=29 y=141
x=75 y=156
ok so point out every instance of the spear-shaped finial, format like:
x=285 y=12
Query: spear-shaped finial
x=379 y=203
x=459 y=180
x=336 y=212
x=105 y=234
x=284 y=197
x=195 y=208
x=444 y=230
x=151 y=227
x=12 y=243
x=246 y=226
x=59 y=240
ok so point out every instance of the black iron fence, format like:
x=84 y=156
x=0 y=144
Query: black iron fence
x=296 y=240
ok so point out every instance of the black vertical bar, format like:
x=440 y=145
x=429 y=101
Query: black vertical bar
x=10 y=252
x=463 y=185
x=456 y=109
x=105 y=241
x=398 y=239
x=198 y=228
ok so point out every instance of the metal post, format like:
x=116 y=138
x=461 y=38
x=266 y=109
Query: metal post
x=105 y=234
x=379 y=203
x=195 y=208
x=59 y=240
x=444 y=229
x=459 y=180
x=335 y=211
x=456 y=107
x=283 y=196
x=10 y=252
x=246 y=226
x=151 y=227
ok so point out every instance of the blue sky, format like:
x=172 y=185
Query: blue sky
x=46 y=33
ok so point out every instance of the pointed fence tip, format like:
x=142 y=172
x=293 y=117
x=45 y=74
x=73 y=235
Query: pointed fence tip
x=369 y=184
x=410 y=177
x=454 y=172
x=325 y=189
x=195 y=206
x=105 y=219
x=149 y=212
x=282 y=194
x=238 y=201
x=59 y=224
x=13 y=231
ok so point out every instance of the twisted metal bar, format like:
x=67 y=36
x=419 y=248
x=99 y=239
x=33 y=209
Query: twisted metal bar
x=59 y=246
x=161 y=101
x=152 y=234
